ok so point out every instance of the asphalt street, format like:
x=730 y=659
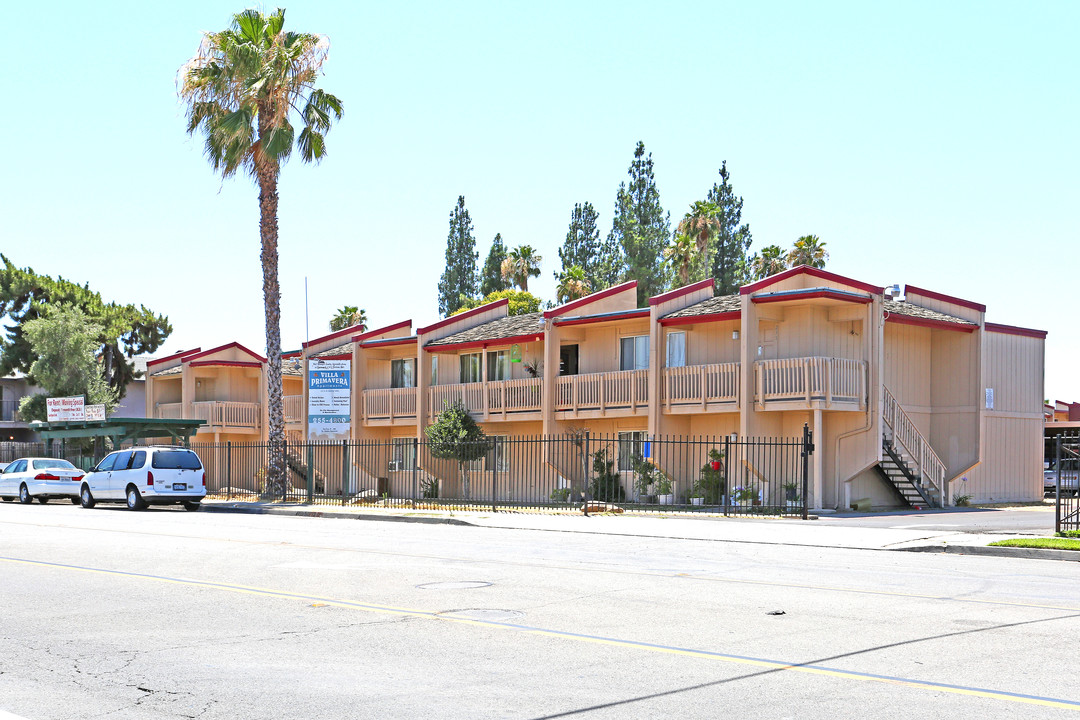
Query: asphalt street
x=167 y=614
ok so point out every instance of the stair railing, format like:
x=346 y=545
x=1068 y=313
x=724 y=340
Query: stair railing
x=904 y=432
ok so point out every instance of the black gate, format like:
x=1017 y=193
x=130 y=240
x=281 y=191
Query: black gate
x=1065 y=474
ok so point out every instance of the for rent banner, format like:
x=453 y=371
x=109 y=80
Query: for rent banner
x=329 y=399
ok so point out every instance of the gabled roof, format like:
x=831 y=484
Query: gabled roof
x=712 y=306
x=906 y=309
x=220 y=348
x=514 y=327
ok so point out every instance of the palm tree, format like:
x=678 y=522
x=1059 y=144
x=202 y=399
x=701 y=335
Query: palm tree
x=573 y=284
x=770 y=262
x=241 y=88
x=808 y=250
x=680 y=255
x=702 y=224
x=520 y=264
x=349 y=316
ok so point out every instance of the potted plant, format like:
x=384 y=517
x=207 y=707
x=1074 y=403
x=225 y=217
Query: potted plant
x=745 y=496
x=791 y=494
x=664 y=490
x=560 y=495
x=710 y=485
x=645 y=474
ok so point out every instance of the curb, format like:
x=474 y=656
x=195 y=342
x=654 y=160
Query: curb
x=289 y=512
x=985 y=550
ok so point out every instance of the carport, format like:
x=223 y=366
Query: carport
x=120 y=430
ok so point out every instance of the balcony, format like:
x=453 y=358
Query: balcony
x=810 y=383
x=494 y=400
x=294 y=409
x=169 y=411
x=701 y=388
x=228 y=416
x=625 y=392
x=9 y=411
x=387 y=406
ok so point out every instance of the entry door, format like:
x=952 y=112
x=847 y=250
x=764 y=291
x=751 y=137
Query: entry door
x=767 y=335
x=118 y=476
x=568 y=360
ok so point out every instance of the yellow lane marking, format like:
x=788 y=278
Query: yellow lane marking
x=580 y=637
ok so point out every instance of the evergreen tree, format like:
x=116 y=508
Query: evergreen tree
x=582 y=244
x=459 y=279
x=729 y=263
x=641 y=227
x=491 y=278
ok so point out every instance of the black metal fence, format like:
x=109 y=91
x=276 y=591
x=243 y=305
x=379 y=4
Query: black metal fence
x=1065 y=471
x=632 y=471
x=12 y=450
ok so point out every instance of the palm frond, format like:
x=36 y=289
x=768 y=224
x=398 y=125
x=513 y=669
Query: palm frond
x=312 y=145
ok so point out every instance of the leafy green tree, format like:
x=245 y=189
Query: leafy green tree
x=522 y=263
x=241 y=89
x=573 y=284
x=459 y=278
x=808 y=250
x=694 y=243
x=65 y=340
x=124 y=331
x=641 y=227
x=582 y=244
x=729 y=262
x=769 y=262
x=348 y=316
x=521 y=302
x=455 y=435
x=681 y=255
x=491 y=277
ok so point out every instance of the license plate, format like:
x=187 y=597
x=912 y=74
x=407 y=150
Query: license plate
x=179 y=486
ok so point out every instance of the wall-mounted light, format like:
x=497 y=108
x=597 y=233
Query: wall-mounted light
x=734 y=334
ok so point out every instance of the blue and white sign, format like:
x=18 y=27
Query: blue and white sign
x=329 y=399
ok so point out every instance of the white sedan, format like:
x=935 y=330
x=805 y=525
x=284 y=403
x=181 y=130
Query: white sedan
x=41 y=478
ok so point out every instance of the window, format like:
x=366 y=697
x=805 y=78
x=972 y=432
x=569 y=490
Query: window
x=434 y=369
x=568 y=360
x=676 y=349
x=403 y=373
x=499 y=457
x=123 y=459
x=631 y=445
x=470 y=368
x=16 y=467
x=106 y=464
x=498 y=365
x=138 y=459
x=46 y=464
x=403 y=454
x=634 y=353
x=175 y=460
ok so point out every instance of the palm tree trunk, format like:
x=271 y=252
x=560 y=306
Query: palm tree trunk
x=268 y=234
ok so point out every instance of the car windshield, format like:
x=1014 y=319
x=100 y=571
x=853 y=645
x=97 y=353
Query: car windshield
x=51 y=463
x=176 y=460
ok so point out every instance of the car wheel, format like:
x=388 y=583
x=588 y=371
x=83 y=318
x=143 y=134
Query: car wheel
x=191 y=506
x=74 y=500
x=24 y=495
x=43 y=500
x=134 y=499
x=85 y=498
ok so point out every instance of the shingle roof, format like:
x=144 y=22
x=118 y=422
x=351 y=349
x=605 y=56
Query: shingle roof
x=171 y=371
x=330 y=352
x=718 y=304
x=293 y=367
x=894 y=307
x=507 y=327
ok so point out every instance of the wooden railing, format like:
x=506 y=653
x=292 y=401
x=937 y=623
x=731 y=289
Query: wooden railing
x=624 y=389
x=169 y=411
x=502 y=397
x=294 y=408
x=389 y=403
x=701 y=385
x=218 y=413
x=904 y=433
x=810 y=379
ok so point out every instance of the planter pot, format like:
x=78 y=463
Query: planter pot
x=697 y=501
x=715 y=464
x=645 y=499
x=666 y=499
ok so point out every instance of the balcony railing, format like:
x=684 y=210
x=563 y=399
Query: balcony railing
x=495 y=397
x=390 y=403
x=811 y=380
x=294 y=408
x=701 y=385
x=621 y=390
x=169 y=411
x=218 y=413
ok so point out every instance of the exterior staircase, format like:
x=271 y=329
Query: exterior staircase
x=909 y=464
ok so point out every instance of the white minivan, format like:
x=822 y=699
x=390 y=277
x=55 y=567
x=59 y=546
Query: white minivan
x=141 y=476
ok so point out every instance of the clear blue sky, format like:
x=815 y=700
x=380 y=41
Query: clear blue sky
x=925 y=143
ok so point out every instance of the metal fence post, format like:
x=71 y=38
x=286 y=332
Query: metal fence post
x=807 y=448
x=310 y=473
x=344 y=468
x=585 y=468
x=228 y=465
x=494 y=462
x=726 y=492
x=1057 y=485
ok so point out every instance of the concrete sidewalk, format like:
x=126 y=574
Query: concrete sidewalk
x=763 y=531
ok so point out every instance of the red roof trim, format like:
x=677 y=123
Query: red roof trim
x=174 y=356
x=824 y=293
x=912 y=290
x=229 y=346
x=343 y=356
x=679 y=292
x=926 y=322
x=331 y=336
x=614 y=290
x=1014 y=330
x=291 y=355
x=813 y=272
x=390 y=342
x=497 y=342
x=380 y=331
x=226 y=363
x=461 y=316
x=590 y=319
x=711 y=317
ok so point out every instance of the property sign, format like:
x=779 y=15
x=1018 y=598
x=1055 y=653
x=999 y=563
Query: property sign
x=329 y=399
x=65 y=409
x=95 y=413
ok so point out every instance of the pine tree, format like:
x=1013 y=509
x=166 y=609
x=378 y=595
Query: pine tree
x=491 y=278
x=459 y=279
x=641 y=227
x=729 y=264
x=582 y=244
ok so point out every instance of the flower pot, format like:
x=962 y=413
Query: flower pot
x=715 y=464
x=666 y=499
x=697 y=501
